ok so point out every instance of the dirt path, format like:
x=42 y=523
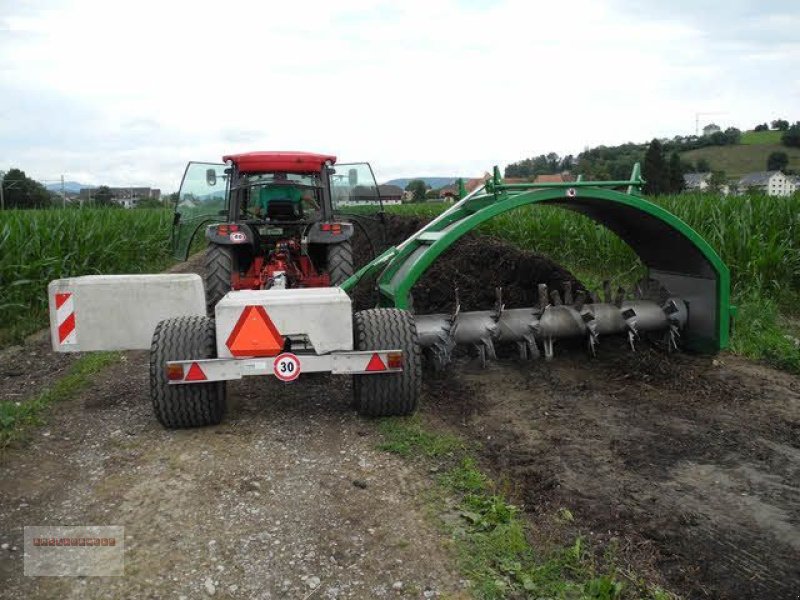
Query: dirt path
x=689 y=466
x=288 y=495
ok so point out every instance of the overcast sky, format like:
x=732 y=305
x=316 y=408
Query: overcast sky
x=125 y=93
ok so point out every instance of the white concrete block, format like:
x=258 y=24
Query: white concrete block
x=323 y=315
x=118 y=312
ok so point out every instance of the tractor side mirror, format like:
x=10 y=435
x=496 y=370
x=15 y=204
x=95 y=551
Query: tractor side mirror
x=211 y=177
x=352 y=177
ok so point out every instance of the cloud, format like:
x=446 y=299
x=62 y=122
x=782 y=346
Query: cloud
x=126 y=93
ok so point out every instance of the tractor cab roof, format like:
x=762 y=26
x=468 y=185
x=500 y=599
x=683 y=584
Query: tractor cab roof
x=284 y=162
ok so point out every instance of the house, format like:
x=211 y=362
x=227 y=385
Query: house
x=771 y=183
x=390 y=194
x=449 y=193
x=127 y=197
x=711 y=129
x=794 y=182
x=367 y=195
x=697 y=182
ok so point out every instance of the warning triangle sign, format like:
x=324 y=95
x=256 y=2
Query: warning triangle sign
x=375 y=364
x=255 y=334
x=195 y=373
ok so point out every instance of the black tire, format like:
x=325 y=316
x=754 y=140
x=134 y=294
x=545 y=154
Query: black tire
x=188 y=404
x=388 y=394
x=220 y=263
x=340 y=262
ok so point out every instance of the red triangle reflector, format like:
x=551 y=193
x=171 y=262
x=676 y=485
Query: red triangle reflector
x=255 y=334
x=375 y=364
x=195 y=373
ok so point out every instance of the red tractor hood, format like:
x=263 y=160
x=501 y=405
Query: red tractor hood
x=282 y=162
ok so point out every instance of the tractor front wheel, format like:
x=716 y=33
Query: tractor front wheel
x=187 y=404
x=388 y=394
x=220 y=263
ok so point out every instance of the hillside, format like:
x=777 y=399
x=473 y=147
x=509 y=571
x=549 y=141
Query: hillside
x=742 y=158
x=71 y=187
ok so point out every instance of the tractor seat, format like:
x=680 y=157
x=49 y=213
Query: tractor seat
x=284 y=210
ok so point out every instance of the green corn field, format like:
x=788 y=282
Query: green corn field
x=37 y=246
x=758 y=237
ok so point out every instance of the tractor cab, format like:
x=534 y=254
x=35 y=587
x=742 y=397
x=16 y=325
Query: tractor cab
x=272 y=219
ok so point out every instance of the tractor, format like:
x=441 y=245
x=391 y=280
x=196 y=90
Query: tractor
x=280 y=228
x=279 y=274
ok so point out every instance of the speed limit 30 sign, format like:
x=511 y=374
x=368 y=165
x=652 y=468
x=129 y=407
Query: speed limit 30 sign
x=286 y=366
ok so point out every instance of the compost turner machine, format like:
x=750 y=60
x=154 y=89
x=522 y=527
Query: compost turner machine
x=279 y=275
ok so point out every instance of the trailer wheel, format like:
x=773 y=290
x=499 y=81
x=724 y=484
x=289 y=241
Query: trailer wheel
x=388 y=394
x=220 y=263
x=340 y=262
x=189 y=404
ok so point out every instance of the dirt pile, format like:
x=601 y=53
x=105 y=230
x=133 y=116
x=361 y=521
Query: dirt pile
x=475 y=265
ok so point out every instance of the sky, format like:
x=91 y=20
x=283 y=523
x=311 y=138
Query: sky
x=125 y=93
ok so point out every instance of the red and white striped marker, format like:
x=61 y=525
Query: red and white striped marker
x=65 y=318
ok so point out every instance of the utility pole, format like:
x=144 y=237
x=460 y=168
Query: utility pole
x=63 y=194
x=2 y=196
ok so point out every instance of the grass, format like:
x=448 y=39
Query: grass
x=742 y=158
x=760 y=138
x=491 y=537
x=37 y=246
x=758 y=237
x=16 y=418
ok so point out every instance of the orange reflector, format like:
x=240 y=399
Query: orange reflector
x=375 y=364
x=174 y=372
x=255 y=334
x=195 y=373
x=394 y=360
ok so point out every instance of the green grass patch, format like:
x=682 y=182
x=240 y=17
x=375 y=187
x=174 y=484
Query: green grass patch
x=759 y=138
x=407 y=437
x=17 y=417
x=742 y=158
x=492 y=540
x=759 y=332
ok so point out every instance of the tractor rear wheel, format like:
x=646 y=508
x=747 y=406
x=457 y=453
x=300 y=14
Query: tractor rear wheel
x=388 y=394
x=187 y=404
x=220 y=263
x=340 y=262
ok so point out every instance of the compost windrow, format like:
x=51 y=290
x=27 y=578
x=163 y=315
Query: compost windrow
x=475 y=267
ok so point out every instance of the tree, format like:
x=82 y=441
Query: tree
x=780 y=124
x=717 y=181
x=655 y=170
x=733 y=136
x=103 y=195
x=703 y=166
x=762 y=127
x=777 y=161
x=675 y=174
x=791 y=137
x=418 y=188
x=718 y=139
x=20 y=191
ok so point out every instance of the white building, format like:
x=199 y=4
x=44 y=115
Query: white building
x=697 y=182
x=771 y=183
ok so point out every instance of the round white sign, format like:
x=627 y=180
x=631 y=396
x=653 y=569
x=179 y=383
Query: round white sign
x=286 y=366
